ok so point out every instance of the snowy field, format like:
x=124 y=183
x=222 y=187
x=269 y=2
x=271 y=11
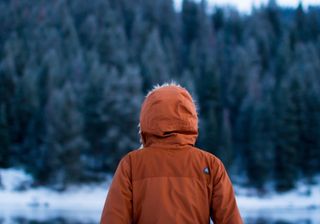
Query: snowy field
x=83 y=204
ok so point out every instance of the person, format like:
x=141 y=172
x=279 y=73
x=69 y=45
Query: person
x=169 y=180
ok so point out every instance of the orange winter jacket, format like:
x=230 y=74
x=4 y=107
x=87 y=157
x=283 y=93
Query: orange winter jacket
x=169 y=180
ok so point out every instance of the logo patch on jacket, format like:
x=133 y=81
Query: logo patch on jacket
x=206 y=170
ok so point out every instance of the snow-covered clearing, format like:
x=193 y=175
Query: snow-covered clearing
x=17 y=198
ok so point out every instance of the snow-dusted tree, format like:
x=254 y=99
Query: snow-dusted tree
x=154 y=61
x=64 y=144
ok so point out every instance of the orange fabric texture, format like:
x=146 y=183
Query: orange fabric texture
x=169 y=180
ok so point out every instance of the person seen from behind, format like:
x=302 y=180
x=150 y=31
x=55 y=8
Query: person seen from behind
x=169 y=180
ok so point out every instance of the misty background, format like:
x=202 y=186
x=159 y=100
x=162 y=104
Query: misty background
x=73 y=75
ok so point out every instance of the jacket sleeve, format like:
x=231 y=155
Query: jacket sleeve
x=118 y=205
x=224 y=209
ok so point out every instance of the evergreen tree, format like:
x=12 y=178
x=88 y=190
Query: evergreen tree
x=64 y=144
x=288 y=143
x=259 y=158
x=225 y=147
x=310 y=159
x=94 y=116
x=154 y=61
x=4 y=138
x=122 y=101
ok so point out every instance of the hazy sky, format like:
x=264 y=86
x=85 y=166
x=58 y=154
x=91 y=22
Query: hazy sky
x=245 y=5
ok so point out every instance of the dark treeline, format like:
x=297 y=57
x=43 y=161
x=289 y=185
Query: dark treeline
x=73 y=74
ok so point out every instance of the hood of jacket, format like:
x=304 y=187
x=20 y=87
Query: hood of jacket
x=168 y=117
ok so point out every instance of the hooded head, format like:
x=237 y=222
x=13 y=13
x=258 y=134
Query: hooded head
x=168 y=117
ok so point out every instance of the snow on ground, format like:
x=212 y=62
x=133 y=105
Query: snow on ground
x=15 y=191
x=81 y=204
x=301 y=205
x=16 y=196
x=303 y=197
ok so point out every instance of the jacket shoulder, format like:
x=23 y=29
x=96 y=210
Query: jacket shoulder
x=212 y=159
x=128 y=157
x=205 y=153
